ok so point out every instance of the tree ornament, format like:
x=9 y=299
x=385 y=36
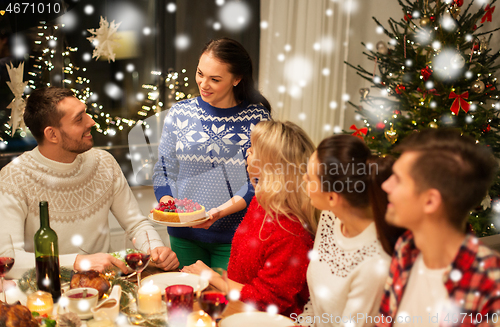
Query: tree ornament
x=380 y=125
x=458 y=3
x=483 y=43
x=459 y=102
x=382 y=48
x=408 y=16
x=358 y=132
x=486 y=203
x=426 y=73
x=364 y=92
x=425 y=21
x=400 y=89
x=455 y=11
x=391 y=135
x=487 y=14
x=433 y=124
x=457 y=61
x=478 y=86
x=486 y=128
x=106 y=39
x=432 y=18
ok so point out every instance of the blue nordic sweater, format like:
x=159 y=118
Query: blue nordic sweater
x=202 y=156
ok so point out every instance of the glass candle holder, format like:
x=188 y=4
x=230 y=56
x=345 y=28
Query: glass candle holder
x=179 y=300
x=149 y=299
x=40 y=302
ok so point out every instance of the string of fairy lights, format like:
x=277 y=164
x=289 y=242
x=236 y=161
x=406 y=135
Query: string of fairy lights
x=45 y=68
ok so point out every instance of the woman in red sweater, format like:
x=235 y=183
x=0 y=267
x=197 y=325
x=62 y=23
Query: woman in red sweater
x=269 y=256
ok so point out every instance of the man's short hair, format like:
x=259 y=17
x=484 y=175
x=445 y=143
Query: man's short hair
x=41 y=110
x=461 y=170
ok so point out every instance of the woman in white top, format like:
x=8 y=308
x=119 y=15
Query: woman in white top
x=350 y=261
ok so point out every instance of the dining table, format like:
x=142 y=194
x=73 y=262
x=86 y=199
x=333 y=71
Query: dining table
x=232 y=307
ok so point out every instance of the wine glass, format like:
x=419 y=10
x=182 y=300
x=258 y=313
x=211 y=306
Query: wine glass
x=214 y=302
x=6 y=260
x=139 y=259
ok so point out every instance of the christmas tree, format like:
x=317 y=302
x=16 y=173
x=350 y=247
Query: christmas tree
x=436 y=71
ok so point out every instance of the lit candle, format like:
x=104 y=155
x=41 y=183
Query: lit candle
x=40 y=302
x=149 y=299
x=199 y=319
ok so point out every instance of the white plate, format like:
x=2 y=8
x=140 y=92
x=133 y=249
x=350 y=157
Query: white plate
x=252 y=319
x=181 y=224
x=164 y=280
x=14 y=294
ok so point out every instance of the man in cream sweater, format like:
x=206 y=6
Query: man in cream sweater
x=81 y=185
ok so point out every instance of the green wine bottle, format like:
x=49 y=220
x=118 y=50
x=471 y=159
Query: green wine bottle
x=47 y=256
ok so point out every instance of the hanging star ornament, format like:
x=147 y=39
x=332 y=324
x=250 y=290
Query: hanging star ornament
x=486 y=203
x=17 y=105
x=105 y=39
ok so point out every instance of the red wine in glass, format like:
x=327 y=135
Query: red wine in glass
x=7 y=256
x=137 y=261
x=6 y=264
x=213 y=303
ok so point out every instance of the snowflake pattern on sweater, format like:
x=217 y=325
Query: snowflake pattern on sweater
x=202 y=157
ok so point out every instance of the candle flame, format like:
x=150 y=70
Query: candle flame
x=38 y=302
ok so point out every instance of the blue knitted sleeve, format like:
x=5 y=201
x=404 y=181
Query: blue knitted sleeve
x=247 y=191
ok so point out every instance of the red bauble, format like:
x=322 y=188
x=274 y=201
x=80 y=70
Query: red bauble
x=486 y=128
x=432 y=18
x=426 y=73
x=400 y=89
x=474 y=27
x=459 y=3
x=408 y=16
x=380 y=125
x=397 y=112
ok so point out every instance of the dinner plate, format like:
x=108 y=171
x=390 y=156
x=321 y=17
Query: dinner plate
x=14 y=294
x=252 y=319
x=180 y=224
x=164 y=280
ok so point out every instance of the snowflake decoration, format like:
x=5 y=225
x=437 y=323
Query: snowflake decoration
x=219 y=138
x=106 y=38
x=17 y=87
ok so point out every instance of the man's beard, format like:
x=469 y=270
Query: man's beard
x=74 y=146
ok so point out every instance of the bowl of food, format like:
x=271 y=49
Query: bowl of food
x=81 y=300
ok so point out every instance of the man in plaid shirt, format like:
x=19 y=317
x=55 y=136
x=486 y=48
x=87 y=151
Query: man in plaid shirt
x=439 y=275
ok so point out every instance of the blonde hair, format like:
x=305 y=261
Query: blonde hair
x=281 y=151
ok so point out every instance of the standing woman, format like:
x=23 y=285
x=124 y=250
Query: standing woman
x=203 y=149
x=354 y=244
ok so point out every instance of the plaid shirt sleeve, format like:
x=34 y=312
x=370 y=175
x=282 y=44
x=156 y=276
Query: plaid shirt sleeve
x=402 y=261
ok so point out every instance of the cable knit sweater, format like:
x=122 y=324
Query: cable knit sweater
x=202 y=157
x=271 y=259
x=80 y=195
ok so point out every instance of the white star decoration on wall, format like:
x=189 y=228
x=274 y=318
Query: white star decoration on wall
x=104 y=38
x=17 y=87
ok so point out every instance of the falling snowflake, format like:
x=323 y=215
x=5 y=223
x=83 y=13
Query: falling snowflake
x=106 y=38
x=272 y=309
x=235 y=16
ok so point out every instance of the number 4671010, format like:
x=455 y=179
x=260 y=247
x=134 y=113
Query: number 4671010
x=32 y=8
